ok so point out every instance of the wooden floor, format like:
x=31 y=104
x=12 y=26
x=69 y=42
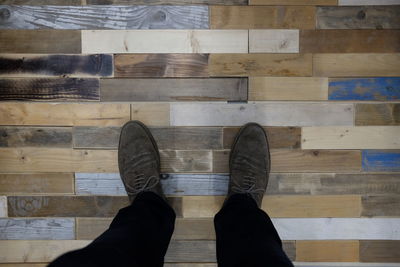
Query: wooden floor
x=322 y=76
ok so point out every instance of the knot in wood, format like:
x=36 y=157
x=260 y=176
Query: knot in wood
x=5 y=14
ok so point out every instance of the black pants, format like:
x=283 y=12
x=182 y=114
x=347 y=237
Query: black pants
x=139 y=236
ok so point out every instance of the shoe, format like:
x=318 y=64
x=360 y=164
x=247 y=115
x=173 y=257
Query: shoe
x=249 y=163
x=139 y=160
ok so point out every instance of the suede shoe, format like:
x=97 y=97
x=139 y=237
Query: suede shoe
x=139 y=160
x=249 y=163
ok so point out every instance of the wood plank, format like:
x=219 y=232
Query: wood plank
x=40 y=41
x=32 y=65
x=349 y=41
x=36 y=183
x=381 y=160
x=288 y=88
x=161 y=65
x=377 y=114
x=387 y=205
x=380 y=251
x=381 y=89
x=191 y=251
x=371 y=137
x=216 y=89
x=358 y=17
x=165 y=41
x=62 y=114
x=278 y=137
x=106 y=17
x=368 y=2
x=283 y=160
x=3 y=206
x=328 y=251
x=262 y=17
x=175 y=138
x=356 y=65
x=186 y=161
x=274 y=41
x=50 y=89
x=11 y=136
x=151 y=113
x=271 y=114
x=260 y=65
x=43 y=2
x=280 y=206
x=167 y=2
x=293 y=2
x=43 y=229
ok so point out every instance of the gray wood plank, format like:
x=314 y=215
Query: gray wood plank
x=167 y=2
x=380 y=251
x=104 y=17
x=43 y=229
x=217 y=89
x=43 y=2
x=388 y=205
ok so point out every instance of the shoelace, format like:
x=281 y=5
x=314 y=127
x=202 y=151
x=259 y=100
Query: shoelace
x=143 y=183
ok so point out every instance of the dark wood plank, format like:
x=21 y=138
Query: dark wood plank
x=40 y=41
x=161 y=65
x=49 y=89
x=17 y=65
x=104 y=17
x=278 y=137
x=167 y=2
x=373 y=206
x=380 y=250
x=349 y=41
x=377 y=114
x=218 y=89
x=381 y=160
x=358 y=17
x=35 y=136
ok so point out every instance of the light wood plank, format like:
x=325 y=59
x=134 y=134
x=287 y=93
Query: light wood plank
x=377 y=114
x=368 y=2
x=43 y=2
x=262 y=17
x=381 y=160
x=328 y=251
x=3 y=206
x=151 y=113
x=380 y=251
x=274 y=41
x=288 y=88
x=61 y=114
x=386 y=205
x=166 y=2
x=165 y=41
x=353 y=65
x=293 y=2
x=260 y=65
x=186 y=161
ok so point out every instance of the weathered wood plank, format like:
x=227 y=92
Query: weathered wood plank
x=165 y=41
x=191 y=251
x=49 y=89
x=262 y=17
x=43 y=229
x=349 y=41
x=358 y=17
x=381 y=160
x=260 y=65
x=167 y=2
x=328 y=251
x=371 y=137
x=25 y=65
x=387 y=205
x=274 y=41
x=293 y=2
x=381 y=89
x=151 y=113
x=283 y=160
x=40 y=41
x=377 y=114
x=356 y=65
x=186 y=161
x=62 y=114
x=288 y=88
x=43 y=2
x=37 y=183
x=368 y=2
x=271 y=114
x=380 y=251
x=3 y=206
x=161 y=65
x=215 y=89
x=105 y=17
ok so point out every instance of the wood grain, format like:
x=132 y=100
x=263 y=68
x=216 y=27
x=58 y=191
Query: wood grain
x=293 y=2
x=380 y=251
x=387 y=205
x=260 y=65
x=262 y=17
x=3 y=206
x=40 y=41
x=43 y=2
x=49 y=89
x=61 y=114
x=356 y=65
x=349 y=41
x=381 y=160
x=358 y=17
x=377 y=114
x=167 y=2
x=36 y=183
x=367 y=2
x=186 y=161
x=215 y=89
x=161 y=65
x=151 y=113
x=31 y=65
x=165 y=41
x=328 y=251
x=273 y=41
x=288 y=88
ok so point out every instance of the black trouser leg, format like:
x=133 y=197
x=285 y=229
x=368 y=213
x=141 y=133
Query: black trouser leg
x=138 y=236
x=246 y=236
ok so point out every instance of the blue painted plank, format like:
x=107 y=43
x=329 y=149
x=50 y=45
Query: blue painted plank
x=384 y=88
x=381 y=160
